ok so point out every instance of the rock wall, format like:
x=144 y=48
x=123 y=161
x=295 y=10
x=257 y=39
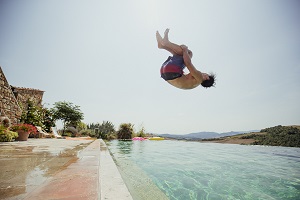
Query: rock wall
x=24 y=94
x=14 y=99
x=9 y=106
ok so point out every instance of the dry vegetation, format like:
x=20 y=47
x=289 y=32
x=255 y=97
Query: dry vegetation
x=247 y=138
x=236 y=139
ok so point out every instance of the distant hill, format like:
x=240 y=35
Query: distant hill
x=204 y=135
x=288 y=136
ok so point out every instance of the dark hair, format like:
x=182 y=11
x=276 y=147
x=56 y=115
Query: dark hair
x=210 y=82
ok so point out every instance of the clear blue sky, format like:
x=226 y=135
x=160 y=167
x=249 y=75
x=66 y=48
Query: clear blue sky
x=103 y=56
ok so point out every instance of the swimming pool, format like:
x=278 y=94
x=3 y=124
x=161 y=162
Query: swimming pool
x=194 y=170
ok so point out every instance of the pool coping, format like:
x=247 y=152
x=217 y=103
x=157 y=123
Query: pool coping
x=111 y=182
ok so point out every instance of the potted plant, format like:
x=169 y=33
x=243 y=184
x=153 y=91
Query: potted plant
x=23 y=131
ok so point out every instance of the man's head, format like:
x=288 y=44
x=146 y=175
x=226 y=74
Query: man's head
x=208 y=80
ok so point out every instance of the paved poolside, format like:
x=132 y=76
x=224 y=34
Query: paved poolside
x=59 y=169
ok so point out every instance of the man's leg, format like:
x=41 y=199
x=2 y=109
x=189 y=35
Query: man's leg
x=164 y=43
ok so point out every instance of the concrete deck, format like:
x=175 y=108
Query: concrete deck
x=59 y=169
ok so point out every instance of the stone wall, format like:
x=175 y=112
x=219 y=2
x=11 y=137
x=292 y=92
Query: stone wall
x=8 y=103
x=14 y=99
x=24 y=94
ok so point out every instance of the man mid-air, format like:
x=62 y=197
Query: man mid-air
x=172 y=68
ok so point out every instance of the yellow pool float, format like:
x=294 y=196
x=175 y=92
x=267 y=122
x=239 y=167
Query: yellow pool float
x=156 y=138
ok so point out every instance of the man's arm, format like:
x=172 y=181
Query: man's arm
x=188 y=63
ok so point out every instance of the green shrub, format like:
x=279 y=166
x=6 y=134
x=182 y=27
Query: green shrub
x=251 y=136
x=125 y=131
x=67 y=133
x=7 y=135
x=85 y=132
x=103 y=130
x=73 y=131
x=111 y=137
x=92 y=133
x=279 y=136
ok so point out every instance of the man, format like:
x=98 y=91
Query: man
x=172 y=68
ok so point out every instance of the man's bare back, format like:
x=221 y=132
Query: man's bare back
x=186 y=81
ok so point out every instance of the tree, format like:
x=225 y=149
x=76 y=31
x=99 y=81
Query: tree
x=141 y=132
x=70 y=114
x=81 y=126
x=48 y=119
x=37 y=116
x=32 y=114
x=125 y=131
x=105 y=129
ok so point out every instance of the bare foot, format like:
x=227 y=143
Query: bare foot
x=165 y=40
x=159 y=40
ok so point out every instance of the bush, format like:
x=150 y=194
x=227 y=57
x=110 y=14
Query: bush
x=103 y=130
x=73 y=131
x=85 y=132
x=7 y=135
x=280 y=136
x=251 y=136
x=67 y=133
x=111 y=137
x=92 y=133
x=125 y=131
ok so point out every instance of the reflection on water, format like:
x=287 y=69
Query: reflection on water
x=193 y=170
x=15 y=166
x=140 y=185
x=125 y=146
x=23 y=168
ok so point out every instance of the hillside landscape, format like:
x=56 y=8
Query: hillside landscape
x=288 y=136
x=204 y=135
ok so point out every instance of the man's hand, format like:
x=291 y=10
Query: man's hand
x=184 y=47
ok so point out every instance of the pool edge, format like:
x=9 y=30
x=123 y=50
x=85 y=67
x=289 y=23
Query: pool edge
x=111 y=183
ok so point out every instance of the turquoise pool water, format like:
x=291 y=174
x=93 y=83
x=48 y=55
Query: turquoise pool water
x=193 y=170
